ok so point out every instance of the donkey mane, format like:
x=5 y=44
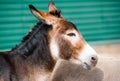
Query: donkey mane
x=27 y=36
x=30 y=42
x=35 y=28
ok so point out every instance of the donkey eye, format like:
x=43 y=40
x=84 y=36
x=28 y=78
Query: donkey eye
x=71 y=34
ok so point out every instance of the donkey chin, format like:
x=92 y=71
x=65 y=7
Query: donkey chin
x=88 y=58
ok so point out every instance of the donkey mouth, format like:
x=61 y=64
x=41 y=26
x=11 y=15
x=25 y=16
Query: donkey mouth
x=88 y=66
x=85 y=65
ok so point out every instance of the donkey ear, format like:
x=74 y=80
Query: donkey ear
x=43 y=16
x=53 y=10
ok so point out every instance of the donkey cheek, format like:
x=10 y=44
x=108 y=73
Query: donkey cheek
x=66 y=53
x=54 y=49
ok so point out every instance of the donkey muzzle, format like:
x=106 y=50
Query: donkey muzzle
x=91 y=62
x=88 y=57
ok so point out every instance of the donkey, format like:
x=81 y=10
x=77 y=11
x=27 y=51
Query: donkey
x=51 y=39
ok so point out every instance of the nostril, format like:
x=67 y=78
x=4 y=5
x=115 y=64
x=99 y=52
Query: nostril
x=94 y=59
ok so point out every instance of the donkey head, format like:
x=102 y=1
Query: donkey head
x=65 y=41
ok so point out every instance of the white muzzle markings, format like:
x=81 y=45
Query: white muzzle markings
x=88 y=57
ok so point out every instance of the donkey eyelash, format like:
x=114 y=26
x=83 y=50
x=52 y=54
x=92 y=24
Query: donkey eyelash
x=71 y=34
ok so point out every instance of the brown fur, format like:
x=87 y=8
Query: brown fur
x=67 y=50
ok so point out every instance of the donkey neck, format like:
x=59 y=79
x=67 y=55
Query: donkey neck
x=35 y=46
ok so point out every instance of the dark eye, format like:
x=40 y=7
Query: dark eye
x=71 y=34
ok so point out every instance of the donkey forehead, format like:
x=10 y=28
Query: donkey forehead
x=65 y=25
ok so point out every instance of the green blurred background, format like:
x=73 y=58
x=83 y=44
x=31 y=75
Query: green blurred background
x=97 y=20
